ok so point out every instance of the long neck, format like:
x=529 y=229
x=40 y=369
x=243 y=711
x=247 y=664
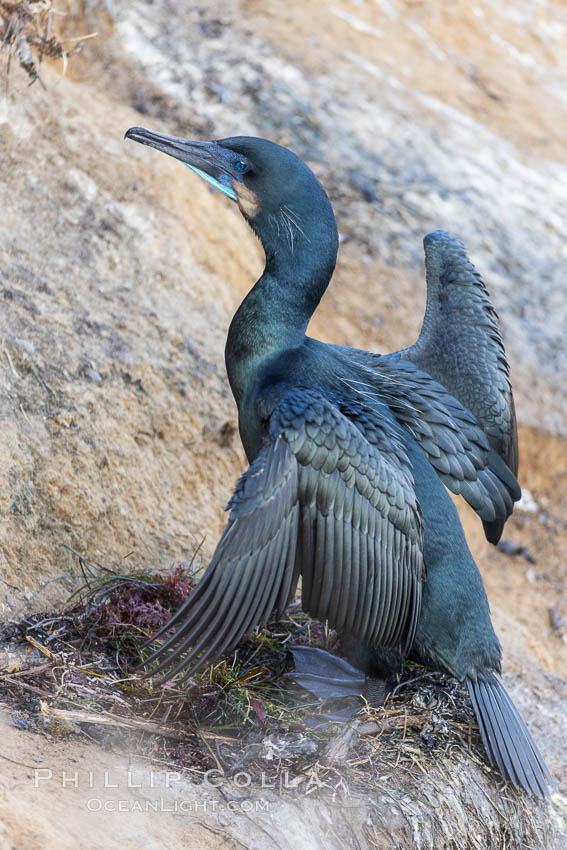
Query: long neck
x=275 y=313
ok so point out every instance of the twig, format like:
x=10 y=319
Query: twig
x=19 y=763
x=38 y=591
x=39 y=691
x=106 y=719
x=43 y=649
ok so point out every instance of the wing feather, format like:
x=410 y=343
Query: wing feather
x=456 y=445
x=325 y=498
x=460 y=345
x=451 y=389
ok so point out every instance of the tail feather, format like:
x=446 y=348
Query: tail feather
x=505 y=736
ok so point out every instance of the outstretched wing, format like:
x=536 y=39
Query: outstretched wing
x=454 y=443
x=361 y=530
x=460 y=345
x=321 y=500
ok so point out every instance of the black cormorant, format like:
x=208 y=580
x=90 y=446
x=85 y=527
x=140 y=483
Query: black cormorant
x=348 y=455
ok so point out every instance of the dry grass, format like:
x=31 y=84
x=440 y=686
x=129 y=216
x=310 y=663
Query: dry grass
x=28 y=33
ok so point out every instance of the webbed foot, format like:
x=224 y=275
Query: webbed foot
x=330 y=677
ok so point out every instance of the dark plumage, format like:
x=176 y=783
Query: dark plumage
x=348 y=455
x=461 y=347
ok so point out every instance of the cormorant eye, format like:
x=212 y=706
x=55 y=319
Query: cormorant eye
x=240 y=165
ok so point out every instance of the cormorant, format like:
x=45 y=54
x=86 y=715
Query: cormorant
x=348 y=455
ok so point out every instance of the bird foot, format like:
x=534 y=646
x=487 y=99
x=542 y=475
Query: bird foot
x=330 y=677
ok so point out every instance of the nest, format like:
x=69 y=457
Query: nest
x=418 y=754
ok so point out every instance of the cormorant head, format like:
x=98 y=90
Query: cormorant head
x=277 y=193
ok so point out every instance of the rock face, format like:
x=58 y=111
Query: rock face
x=119 y=272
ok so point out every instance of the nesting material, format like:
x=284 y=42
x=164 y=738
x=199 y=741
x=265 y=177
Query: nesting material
x=416 y=763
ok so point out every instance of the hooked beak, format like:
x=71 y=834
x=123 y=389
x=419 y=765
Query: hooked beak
x=207 y=159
